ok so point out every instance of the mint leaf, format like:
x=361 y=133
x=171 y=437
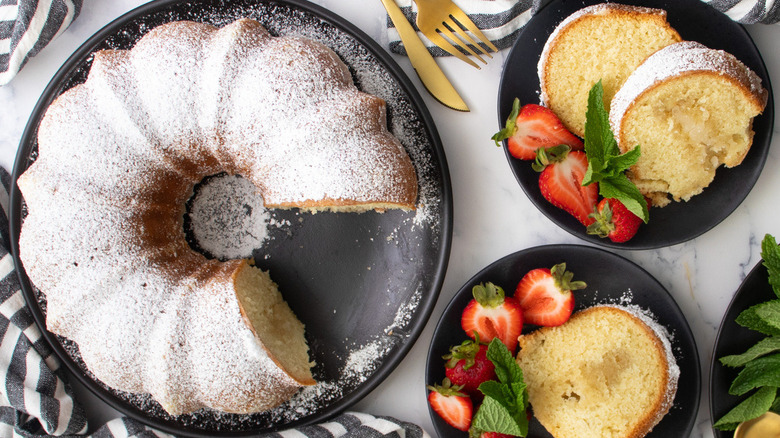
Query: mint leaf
x=507 y=369
x=492 y=416
x=606 y=165
x=622 y=189
x=752 y=407
x=770 y=252
x=750 y=319
x=506 y=400
x=762 y=348
x=763 y=371
x=769 y=312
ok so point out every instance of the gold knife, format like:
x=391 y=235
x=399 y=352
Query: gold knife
x=429 y=72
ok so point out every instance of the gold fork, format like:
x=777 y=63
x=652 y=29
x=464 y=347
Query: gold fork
x=437 y=19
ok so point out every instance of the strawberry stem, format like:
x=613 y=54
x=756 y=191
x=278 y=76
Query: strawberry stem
x=563 y=278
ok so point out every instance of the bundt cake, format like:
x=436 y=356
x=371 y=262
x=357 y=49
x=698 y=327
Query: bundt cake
x=691 y=109
x=118 y=157
x=601 y=42
x=608 y=372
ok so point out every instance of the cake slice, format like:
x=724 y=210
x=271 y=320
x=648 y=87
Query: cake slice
x=608 y=372
x=601 y=42
x=691 y=109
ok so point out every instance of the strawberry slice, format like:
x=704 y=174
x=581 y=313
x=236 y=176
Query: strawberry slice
x=452 y=405
x=468 y=366
x=532 y=127
x=545 y=295
x=491 y=314
x=562 y=171
x=613 y=220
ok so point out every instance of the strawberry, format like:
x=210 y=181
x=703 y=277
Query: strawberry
x=468 y=366
x=452 y=405
x=491 y=314
x=560 y=181
x=531 y=128
x=494 y=435
x=545 y=295
x=612 y=219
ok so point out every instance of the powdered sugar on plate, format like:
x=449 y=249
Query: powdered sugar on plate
x=225 y=204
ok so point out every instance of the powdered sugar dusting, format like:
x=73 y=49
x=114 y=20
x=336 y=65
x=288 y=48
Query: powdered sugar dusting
x=405 y=123
x=228 y=218
x=674 y=61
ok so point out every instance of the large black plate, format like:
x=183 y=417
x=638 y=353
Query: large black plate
x=680 y=221
x=734 y=339
x=361 y=283
x=611 y=279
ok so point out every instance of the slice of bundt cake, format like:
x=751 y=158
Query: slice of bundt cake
x=601 y=42
x=690 y=108
x=608 y=372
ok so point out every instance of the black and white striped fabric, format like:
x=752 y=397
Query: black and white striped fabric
x=27 y=26
x=502 y=20
x=36 y=400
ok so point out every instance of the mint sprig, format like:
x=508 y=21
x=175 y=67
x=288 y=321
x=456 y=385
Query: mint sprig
x=606 y=164
x=504 y=408
x=761 y=362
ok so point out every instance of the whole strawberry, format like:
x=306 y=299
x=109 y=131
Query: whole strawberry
x=491 y=314
x=532 y=127
x=451 y=404
x=562 y=171
x=613 y=220
x=545 y=295
x=468 y=366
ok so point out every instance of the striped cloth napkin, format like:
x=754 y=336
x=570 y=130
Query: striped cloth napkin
x=502 y=20
x=27 y=26
x=36 y=400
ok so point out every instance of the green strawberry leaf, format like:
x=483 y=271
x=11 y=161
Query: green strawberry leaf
x=752 y=407
x=510 y=126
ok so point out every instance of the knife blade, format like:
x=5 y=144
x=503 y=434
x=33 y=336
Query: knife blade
x=430 y=74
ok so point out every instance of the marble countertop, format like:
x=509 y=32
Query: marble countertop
x=702 y=274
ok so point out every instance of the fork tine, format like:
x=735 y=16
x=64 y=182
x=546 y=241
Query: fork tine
x=445 y=30
x=468 y=24
x=442 y=42
x=450 y=25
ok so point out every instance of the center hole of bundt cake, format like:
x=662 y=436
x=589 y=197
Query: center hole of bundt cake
x=225 y=218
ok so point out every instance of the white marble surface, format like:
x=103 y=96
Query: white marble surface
x=702 y=274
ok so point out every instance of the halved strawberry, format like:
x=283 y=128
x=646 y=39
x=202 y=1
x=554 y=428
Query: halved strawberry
x=545 y=295
x=532 y=127
x=491 y=314
x=561 y=181
x=613 y=220
x=468 y=366
x=452 y=405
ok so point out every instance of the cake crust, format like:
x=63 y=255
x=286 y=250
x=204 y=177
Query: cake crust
x=614 y=39
x=588 y=378
x=118 y=157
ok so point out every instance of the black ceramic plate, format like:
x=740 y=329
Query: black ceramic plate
x=734 y=339
x=680 y=221
x=611 y=279
x=361 y=283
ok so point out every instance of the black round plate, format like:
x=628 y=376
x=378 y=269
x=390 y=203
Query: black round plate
x=362 y=283
x=734 y=339
x=680 y=221
x=611 y=279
